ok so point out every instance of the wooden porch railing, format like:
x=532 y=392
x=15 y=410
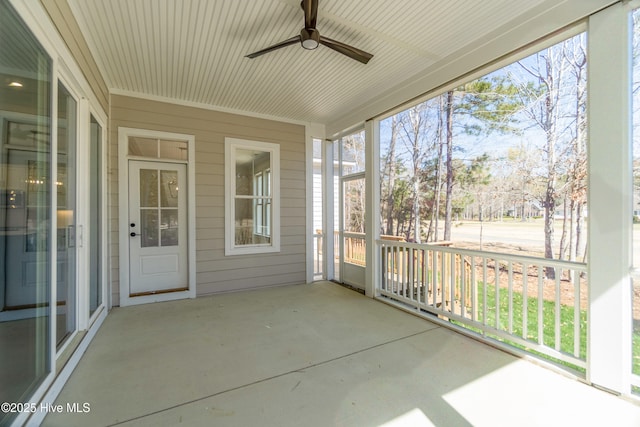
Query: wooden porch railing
x=355 y=246
x=405 y=265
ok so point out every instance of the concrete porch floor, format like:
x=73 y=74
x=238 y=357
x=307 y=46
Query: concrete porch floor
x=313 y=355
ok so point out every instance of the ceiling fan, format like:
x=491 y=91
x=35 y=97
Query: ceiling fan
x=310 y=37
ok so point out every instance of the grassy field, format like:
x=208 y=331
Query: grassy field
x=548 y=313
x=527 y=238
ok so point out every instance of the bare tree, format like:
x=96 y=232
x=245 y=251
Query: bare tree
x=432 y=232
x=577 y=58
x=414 y=125
x=448 y=209
x=390 y=168
x=547 y=100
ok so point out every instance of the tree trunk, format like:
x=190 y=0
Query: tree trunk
x=579 y=223
x=449 y=167
x=416 y=209
x=562 y=251
x=392 y=177
x=549 y=209
x=409 y=229
x=438 y=185
x=416 y=157
x=572 y=231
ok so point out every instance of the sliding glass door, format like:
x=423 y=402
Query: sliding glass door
x=66 y=216
x=25 y=214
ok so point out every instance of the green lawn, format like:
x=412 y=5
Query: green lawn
x=548 y=314
x=636 y=352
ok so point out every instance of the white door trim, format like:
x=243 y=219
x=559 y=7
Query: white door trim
x=123 y=214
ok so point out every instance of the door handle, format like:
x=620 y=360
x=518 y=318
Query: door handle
x=133 y=234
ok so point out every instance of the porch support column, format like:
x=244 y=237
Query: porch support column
x=309 y=259
x=610 y=199
x=312 y=131
x=328 y=201
x=372 y=209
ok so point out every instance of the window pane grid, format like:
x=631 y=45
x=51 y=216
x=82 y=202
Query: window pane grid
x=251 y=197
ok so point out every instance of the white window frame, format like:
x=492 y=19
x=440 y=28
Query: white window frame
x=231 y=147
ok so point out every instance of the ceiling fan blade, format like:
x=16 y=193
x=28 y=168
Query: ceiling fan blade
x=345 y=49
x=310 y=8
x=288 y=42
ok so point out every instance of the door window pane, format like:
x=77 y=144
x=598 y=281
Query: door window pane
x=66 y=213
x=157 y=148
x=352 y=153
x=169 y=189
x=148 y=188
x=354 y=204
x=169 y=227
x=149 y=228
x=144 y=147
x=354 y=237
x=176 y=150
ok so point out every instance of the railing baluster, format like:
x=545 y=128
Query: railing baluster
x=434 y=278
x=497 y=290
x=484 y=290
x=443 y=283
x=392 y=269
x=399 y=273
x=474 y=291
x=412 y=274
x=576 y=315
x=416 y=274
x=540 y=305
x=463 y=288
x=525 y=300
x=424 y=276
x=558 y=274
x=400 y=266
x=405 y=271
x=396 y=269
x=452 y=282
x=384 y=265
x=510 y=294
x=400 y=270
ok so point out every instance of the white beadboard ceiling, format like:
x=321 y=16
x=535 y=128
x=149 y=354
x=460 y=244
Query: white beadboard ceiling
x=194 y=50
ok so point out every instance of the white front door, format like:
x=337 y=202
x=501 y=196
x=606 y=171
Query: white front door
x=157 y=228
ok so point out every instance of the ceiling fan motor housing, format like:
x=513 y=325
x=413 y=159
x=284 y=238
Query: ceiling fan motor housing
x=310 y=38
